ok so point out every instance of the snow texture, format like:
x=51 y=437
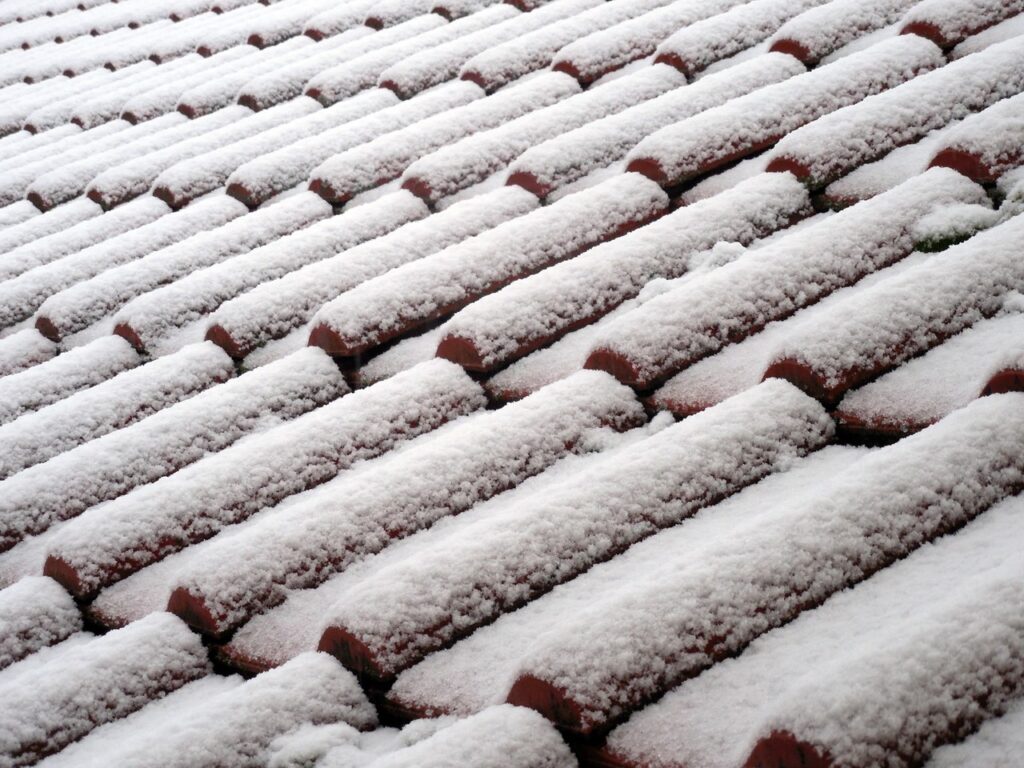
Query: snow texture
x=997 y=744
x=24 y=349
x=948 y=22
x=991 y=139
x=749 y=123
x=457 y=166
x=403 y=613
x=90 y=300
x=64 y=375
x=277 y=307
x=837 y=143
x=109 y=405
x=103 y=680
x=561 y=160
x=698 y=318
x=378 y=161
x=418 y=292
x=713 y=604
x=263 y=177
x=1004 y=30
x=529 y=314
x=113 y=464
x=34 y=613
x=441 y=475
x=219 y=490
x=711 y=721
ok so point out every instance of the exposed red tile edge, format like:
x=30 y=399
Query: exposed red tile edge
x=232 y=658
x=809 y=381
x=315 y=33
x=256 y=39
x=64 y=574
x=176 y=203
x=795 y=49
x=219 y=336
x=194 y=612
x=550 y=700
x=244 y=195
x=373 y=22
x=97 y=197
x=782 y=749
x=968 y=163
x=417 y=186
x=46 y=327
x=353 y=653
x=929 y=31
x=617 y=365
x=329 y=193
x=1006 y=380
x=476 y=77
x=650 y=168
x=38 y=201
x=783 y=164
x=853 y=429
x=676 y=61
x=125 y=331
x=529 y=182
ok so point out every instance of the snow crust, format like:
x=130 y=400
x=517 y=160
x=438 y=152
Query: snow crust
x=35 y=613
x=23 y=349
x=824 y=29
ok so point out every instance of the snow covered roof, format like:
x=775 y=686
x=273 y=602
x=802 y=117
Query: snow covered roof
x=511 y=383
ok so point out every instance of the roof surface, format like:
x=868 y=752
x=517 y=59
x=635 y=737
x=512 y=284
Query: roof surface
x=511 y=384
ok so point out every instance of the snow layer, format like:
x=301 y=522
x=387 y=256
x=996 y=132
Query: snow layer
x=277 y=307
x=109 y=405
x=24 y=294
x=506 y=560
x=561 y=160
x=672 y=331
x=88 y=301
x=457 y=166
x=62 y=376
x=188 y=179
x=100 y=681
x=991 y=141
x=749 y=123
x=378 y=161
x=837 y=143
x=233 y=728
x=441 y=475
x=113 y=464
x=263 y=177
x=416 y=293
x=713 y=604
x=23 y=349
x=498 y=737
x=997 y=744
x=338 y=19
x=1004 y=30
x=711 y=721
x=34 y=613
x=948 y=22
x=219 y=490
x=160 y=312
x=480 y=670
x=503 y=63
x=697 y=46
x=528 y=314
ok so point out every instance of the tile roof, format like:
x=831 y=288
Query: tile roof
x=523 y=384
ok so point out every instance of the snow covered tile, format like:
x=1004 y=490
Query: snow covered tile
x=757 y=576
x=501 y=64
x=124 y=181
x=263 y=177
x=105 y=679
x=154 y=315
x=348 y=78
x=388 y=13
x=16 y=145
x=837 y=143
x=162 y=443
x=188 y=179
x=481 y=153
x=559 y=161
x=161 y=98
x=15 y=213
x=377 y=162
x=498 y=737
x=82 y=304
x=506 y=560
x=820 y=31
x=1008 y=377
x=530 y=314
x=288 y=81
x=341 y=17
x=607 y=50
x=34 y=613
x=995 y=745
x=479 y=670
x=753 y=122
x=24 y=294
x=113 y=541
x=23 y=349
x=59 y=111
x=59 y=377
x=420 y=292
x=70 y=179
x=432 y=66
x=948 y=22
x=277 y=307
x=434 y=477
x=1004 y=30
x=700 y=43
x=60 y=218
x=108 y=405
x=908 y=315
x=672 y=331
x=688 y=726
x=925 y=389
x=987 y=144
x=45 y=250
x=285 y=21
